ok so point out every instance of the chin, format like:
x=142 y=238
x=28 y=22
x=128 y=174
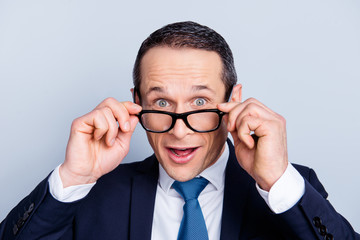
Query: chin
x=181 y=173
x=182 y=178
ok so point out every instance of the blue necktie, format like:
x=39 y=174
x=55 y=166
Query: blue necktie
x=192 y=225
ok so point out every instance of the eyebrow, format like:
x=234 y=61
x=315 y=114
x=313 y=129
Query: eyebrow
x=155 y=89
x=195 y=88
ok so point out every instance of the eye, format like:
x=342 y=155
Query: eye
x=162 y=103
x=199 y=101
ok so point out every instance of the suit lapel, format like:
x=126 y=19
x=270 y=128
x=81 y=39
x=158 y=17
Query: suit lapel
x=143 y=199
x=235 y=194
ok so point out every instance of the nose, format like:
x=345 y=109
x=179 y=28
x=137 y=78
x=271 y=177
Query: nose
x=180 y=130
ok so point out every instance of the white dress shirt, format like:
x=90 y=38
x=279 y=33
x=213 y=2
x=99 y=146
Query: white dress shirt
x=168 y=211
x=169 y=204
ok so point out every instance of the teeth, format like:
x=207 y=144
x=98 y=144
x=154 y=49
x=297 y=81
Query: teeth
x=172 y=150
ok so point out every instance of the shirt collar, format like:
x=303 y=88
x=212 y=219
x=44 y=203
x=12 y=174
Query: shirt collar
x=215 y=174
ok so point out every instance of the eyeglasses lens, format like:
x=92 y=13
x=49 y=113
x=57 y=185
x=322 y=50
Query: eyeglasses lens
x=202 y=121
x=157 y=122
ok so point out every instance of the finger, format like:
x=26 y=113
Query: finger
x=124 y=137
x=122 y=115
x=112 y=103
x=121 y=111
x=99 y=123
x=234 y=110
x=231 y=117
x=228 y=106
x=113 y=127
x=253 y=109
x=125 y=113
x=134 y=120
x=257 y=102
x=245 y=126
x=250 y=107
x=132 y=108
x=225 y=119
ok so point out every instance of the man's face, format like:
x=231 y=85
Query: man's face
x=182 y=80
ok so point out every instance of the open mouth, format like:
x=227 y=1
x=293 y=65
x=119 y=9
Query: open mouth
x=182 y=152
x=182 y=155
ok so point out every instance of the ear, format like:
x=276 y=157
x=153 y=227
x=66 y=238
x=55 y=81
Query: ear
x=135 y=96
x=236 y=94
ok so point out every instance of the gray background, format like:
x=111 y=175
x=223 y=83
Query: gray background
x=59 y=59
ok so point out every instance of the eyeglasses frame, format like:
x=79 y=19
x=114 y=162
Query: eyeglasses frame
x=183 y=116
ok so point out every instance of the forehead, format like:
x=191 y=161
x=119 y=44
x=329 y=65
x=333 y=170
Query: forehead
x=165 y=67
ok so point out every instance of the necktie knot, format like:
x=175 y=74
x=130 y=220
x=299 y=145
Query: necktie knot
x=190 y=189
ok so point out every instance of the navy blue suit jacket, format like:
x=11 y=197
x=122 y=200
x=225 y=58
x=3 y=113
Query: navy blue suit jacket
x=121 y=205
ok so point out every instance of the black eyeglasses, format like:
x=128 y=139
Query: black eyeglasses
x=205 y=120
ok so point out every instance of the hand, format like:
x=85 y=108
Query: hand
x=98 y=142
x=267 y=159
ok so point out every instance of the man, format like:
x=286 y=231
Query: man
x=186 y=99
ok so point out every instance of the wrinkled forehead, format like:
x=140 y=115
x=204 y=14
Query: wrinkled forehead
x=165 y=70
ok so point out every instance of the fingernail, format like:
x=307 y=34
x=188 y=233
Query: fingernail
x=112 y=142
x=126 y=126
x=136 y=107
x=222 y=105
x=229 y=125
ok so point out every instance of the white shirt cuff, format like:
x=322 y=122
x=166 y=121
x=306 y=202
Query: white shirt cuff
x=286 y=191
x=68 y=194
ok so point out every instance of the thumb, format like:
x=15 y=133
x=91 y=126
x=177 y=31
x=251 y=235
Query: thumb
x=133 y=122
x=125 y=137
